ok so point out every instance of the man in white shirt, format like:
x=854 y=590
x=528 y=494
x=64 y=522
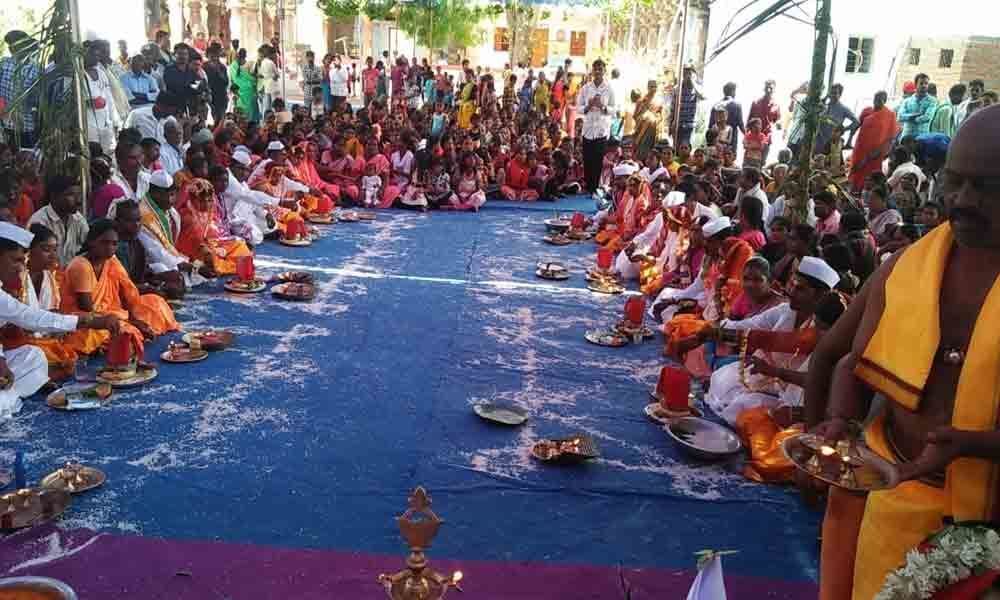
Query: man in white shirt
x=160 y=227
x=338 y=84
x=642 y=244
x=250 y=206
x=150 y=118
x=750 y=185
x=62 y=216
x=595 y=103
x=728 y=396
x=171 y=154
x=267 y=78
x=24 y=370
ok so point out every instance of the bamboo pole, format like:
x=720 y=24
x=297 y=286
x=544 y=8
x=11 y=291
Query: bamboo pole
x=814 y=107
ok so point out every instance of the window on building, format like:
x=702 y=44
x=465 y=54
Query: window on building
x=944 y=61
x=501 y=39
x=914 y=57
x=860 y=51
x=578 y=43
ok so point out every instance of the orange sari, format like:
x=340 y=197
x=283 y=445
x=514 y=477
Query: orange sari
x=202 y=239
x=61 y=356
x=111 y=292
x=878 y=130
x=626 y=221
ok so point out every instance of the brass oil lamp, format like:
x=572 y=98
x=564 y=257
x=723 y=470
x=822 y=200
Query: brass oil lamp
x=419 y=526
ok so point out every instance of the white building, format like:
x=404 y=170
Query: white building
x=870 y=39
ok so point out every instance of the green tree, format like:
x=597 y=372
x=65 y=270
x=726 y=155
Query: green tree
x=443 y=23
x=377 y=10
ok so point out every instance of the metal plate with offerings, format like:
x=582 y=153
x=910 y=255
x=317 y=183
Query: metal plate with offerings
x=605 y=286
x=704 y=439
x=848 y=464
x=181 y=353
x=366 y=215
x=348 y=216
x=211 y=340
x=598 y=274
x=296 y=242
x=321 y=218
x=74 y=478
x=579 y=235
x=31 y=506
x=127 y=377
x=552 y=270
x=612 y=339
x=80 y=396
x=628 y=328
x=504 y=414
x=570 y=450
x=297 y=292
x=245 y=287
x=658 y=414
x=292 y=276
x=557 y=239
x=557 y=225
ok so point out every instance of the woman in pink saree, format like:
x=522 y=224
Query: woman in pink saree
x=344 y=170
x=305 y=157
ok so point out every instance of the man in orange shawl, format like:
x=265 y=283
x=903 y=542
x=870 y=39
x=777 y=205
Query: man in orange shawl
x=875 y=137
x=204 y=238
x=923 y=333
x=97 y=282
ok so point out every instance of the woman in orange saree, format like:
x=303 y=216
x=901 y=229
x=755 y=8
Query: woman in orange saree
x=878 y=130
x=203 y=238
x=39 y=287
x=301 y=169
x=627 y=215
x=97 y=282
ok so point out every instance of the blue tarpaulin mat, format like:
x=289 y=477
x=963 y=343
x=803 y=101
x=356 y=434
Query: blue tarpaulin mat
x=314 y=427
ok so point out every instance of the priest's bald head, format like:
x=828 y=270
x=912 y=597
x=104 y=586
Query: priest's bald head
x=971 y=180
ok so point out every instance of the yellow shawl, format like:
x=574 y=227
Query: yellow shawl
x=898 y=360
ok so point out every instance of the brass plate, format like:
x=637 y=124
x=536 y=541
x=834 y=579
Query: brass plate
x=870 y=471
x=299 y=292
x=245 y=287
x=557 y=225
x=348 y=217
x=579 y=235
x=571 y=450
x=211 y=340
x=606 y=338
x=31 y=506
x=605 y=287
x=656 y=413
x=557 y=239
x=74 y=479
x=184 y=355
x=140 y=377
x=624 y=329
x=366 y=215
x=326 y=219
x=296 y=243
x=95 y=391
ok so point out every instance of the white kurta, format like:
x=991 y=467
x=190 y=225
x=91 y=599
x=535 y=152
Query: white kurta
x=27 y=363
x=644 y=240
x=695 y=291
x=250 y=207
x=728 y=397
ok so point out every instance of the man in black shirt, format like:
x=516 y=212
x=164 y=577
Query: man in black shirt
x=218 y=81
x=180 y=78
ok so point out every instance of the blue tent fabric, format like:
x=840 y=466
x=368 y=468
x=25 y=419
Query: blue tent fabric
x=315 y=426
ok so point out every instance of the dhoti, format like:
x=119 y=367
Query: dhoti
x=31 y=371
x=626 y=268
x=728 y=397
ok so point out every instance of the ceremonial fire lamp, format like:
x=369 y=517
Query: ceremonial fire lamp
x=419 y=526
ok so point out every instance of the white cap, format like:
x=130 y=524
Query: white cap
x=673 y=199
x=20 y=236
x=161 y=179
x=818 y=269
x=624 y=170
x=242 y=148
x=715 y=226
x=275 y=146
x=241 y=157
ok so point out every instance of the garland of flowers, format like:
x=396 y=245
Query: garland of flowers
x=744 y=376
x=956 y=553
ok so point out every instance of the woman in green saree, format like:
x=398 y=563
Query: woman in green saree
x=244 y=80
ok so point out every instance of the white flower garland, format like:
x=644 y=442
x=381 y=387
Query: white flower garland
x=952 y=555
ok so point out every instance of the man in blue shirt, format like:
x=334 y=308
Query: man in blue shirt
x=17 y=75
x=917 y=111
x=140 y=84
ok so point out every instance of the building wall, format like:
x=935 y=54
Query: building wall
x=982 y=61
